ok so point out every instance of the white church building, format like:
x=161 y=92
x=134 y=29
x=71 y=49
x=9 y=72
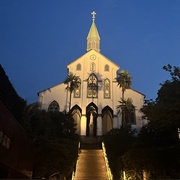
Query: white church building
x=94 y=103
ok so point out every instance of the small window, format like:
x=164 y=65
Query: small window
x=106 y=68
x=106 y=88
x=54 y=106
x=93 y=67
x=78 y=67
x=131 y=115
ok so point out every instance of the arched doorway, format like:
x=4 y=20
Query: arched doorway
x=91 y=115
x=76 y=114
x=107 y=119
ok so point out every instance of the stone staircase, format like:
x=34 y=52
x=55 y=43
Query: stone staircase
x=91 y=165
x=90 y=142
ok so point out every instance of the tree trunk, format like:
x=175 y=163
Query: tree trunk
x=70 y=101
x=123 y=110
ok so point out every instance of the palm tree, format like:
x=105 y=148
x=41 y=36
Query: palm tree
x=126 y=106
x=73 y=83
x=124 y=81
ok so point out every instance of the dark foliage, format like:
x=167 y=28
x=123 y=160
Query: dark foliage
x=54 y=155
x=117 y=142
x=156 y=147
x=41 y=123
x=56 y=144
x=9 y=97
x=55 y=141
x=164 y=112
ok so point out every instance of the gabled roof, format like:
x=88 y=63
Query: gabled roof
x=92 y=52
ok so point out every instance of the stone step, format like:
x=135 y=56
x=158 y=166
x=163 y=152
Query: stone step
x=91 y=165
x=91 y=146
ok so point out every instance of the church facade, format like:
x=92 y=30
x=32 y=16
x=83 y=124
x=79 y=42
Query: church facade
x=94 y=103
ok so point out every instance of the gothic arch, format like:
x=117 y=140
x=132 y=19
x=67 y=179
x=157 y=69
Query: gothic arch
x=106 y=67
x=92 y=86
x=107 y=119
x=53 y=106
x=107 y=89
x=131 y=117
x=91 y=112
x=78 y=67
x=77 y=91
x=76 y=112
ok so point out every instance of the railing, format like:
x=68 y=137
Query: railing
x=108 y=170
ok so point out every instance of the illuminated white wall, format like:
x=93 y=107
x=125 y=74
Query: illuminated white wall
x=60 y=94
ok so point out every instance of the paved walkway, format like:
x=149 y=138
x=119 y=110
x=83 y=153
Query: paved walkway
x=91 y=165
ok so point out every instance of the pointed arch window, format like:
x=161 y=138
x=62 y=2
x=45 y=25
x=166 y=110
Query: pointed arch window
x=77 y=91
x=92 y=86
x=107 y=88
x=53 y=107
x=106 y=68
x=131 y=115
x=107 y=122
x=78 y=67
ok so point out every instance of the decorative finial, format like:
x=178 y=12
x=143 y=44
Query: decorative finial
x=93 y=15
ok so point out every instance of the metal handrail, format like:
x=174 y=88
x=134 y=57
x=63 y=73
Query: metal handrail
x=108 y=169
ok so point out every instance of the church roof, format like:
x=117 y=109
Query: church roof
x=93 y=32
x=92 y=51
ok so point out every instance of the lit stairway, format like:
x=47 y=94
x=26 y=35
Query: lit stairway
x=91 y=165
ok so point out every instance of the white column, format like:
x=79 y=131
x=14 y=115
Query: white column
x=99 y=126
x=83 y=125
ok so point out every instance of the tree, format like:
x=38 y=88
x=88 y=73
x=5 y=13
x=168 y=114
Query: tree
x=127 y=107
x=54 y=155
x=155 y=149
x=154 y=153
x=53 y=124
x=55 y=141
x=117 y=142
x=9 y=97
x=73 y=83
x=159 y=139
x=124 y=81
x=164 y=112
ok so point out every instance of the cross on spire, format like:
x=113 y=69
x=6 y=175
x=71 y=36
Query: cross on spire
x=93 y=15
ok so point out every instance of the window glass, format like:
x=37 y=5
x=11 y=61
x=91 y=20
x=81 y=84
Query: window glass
x=77 y=91
x=78 y=67
x=132 y=116
x=106 y=68
x=93 y=67
x=54 y=106
x=92 y=86
x=106 y=88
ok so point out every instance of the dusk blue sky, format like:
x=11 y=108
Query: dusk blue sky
x=38 y=38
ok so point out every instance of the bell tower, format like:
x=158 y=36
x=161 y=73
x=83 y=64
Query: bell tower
x=93 y=38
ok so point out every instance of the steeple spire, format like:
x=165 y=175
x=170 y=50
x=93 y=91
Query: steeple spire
x=93 y=38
